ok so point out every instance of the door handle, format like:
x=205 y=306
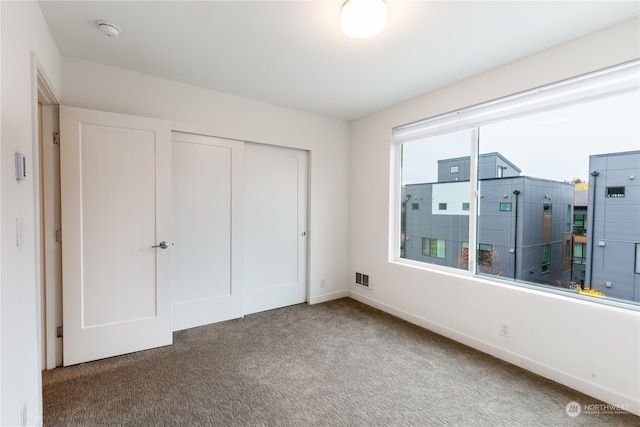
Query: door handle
x=162 y=245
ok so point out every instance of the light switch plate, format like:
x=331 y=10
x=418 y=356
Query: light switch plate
x=21 y=167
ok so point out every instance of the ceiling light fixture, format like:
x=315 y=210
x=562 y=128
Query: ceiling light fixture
x=363 y=19
x=108 y=29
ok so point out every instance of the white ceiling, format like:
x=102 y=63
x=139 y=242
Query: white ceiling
x=293 y=54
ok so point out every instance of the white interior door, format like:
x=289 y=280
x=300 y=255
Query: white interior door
x=116 y=205
x=207 y=229
x=276 y=215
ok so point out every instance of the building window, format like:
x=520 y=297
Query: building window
x=485 y=255
x=579 y=253
x=579 y=221
x=548 y=234
x=442 y=206
x=433 y=247
x=455 y=157
x=615 y=191
x=546 y=258
x=415 y=206
x=463 y=262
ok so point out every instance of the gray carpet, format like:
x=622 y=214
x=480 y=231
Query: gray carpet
x=340 y=363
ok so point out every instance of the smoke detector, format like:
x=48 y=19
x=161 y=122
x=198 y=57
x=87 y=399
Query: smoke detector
x=108 y=29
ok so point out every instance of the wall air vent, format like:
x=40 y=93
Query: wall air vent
x=362 y=280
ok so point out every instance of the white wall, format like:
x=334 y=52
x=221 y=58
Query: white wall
x=587 y=346
x=23 y=31
x=191 y=109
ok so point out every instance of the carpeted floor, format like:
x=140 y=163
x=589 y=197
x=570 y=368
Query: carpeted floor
x=340 y=363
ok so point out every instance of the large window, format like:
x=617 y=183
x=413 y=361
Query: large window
x=509 y=186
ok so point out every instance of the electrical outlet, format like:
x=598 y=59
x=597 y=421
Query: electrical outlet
x=505 y=329
x=323 y=283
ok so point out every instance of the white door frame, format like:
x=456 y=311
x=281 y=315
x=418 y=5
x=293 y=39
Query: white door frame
x=49 y=346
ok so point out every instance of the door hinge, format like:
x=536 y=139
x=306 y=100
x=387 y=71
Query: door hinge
x=59 y=236
x=59 y=331
x=56 y=138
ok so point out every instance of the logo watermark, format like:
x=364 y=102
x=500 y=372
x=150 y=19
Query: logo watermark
x=574 y=409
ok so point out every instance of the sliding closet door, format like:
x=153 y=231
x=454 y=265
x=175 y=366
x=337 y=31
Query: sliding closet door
x=239 y=227
x=207 y=221
x=276 y=214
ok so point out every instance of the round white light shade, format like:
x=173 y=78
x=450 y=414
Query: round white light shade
x=362 y=19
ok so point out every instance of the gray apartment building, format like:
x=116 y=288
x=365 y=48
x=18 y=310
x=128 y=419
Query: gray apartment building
x=613 y=225
x=524 y=223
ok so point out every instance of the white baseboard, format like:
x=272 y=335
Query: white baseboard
x=328 y=297
x=598 y=392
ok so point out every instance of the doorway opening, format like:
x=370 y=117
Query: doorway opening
x=46 y=175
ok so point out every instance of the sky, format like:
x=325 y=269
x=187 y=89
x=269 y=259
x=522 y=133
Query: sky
x=553 y=145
